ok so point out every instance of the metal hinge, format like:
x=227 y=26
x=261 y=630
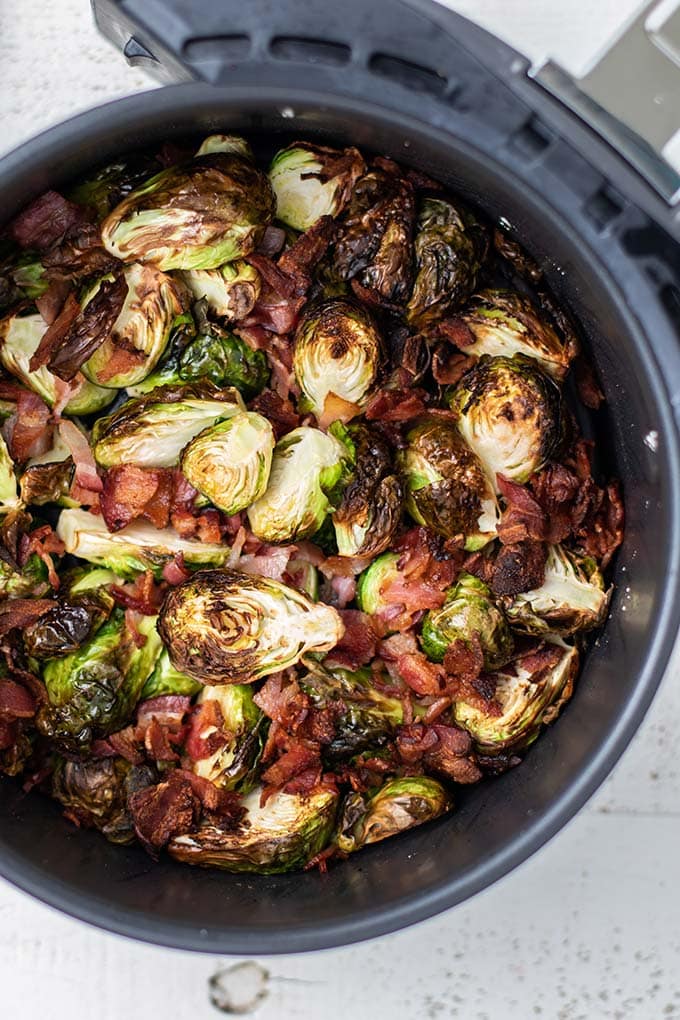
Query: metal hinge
x=631 y=95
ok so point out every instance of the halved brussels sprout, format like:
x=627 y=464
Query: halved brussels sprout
x=8 y=481
x=307 y=465
x=572 y=597
x=230 y=463
x=530 y=694
x=510 y=414
x=140 y=333
x=225 y=143
x=83 y=605
x=337 y=353
x=104 y=189
x=383 y=571
x=447 y=489
x=399 y=805
x=20 y=336
x=223 y=358
x=211 y=210
x=233 y=766
x=93 y=692
x=30 y=580
x=165 y=679
x=311 y=181
x=450 y=246
x=503 y=323
x=96 y=792
x=468 y=609
x=230 y=290
x=137 y=547
x=224 y=627
x=152 y=431
x=370 y=508
x=284 y=834
x=363 y=716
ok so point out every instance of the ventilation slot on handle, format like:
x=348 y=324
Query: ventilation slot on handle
x=411 y=76
x=310 y=51
x=218 y=47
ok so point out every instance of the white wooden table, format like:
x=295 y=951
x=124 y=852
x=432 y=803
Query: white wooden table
x=589 y=928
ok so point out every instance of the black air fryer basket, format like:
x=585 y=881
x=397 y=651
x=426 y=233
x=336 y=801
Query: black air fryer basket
x=582 y=185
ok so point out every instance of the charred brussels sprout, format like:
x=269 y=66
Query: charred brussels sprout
x=8 y=481
x=48 y=482
x=230 y=463
x=383 y=572
x=447 y=489
x=337 y=353
x=284 y=834
x=165 y=679
x=399 y=805
x=221 y=626
x=233 y=765
x=152 y=431
x=137 y=547
x=230 y=290
x=306 y=467
x=370 y=508
x=84 y=604
x=223 y=358
x=311 y=181
x=363 y=716
x=208 y=211
x=93 y=691
x=108 y=186
x=527 y=696
x=140 y=333
x=17 y=583
x=96 y=792
x=28 y=275
x=510 y=414
x=449 y=246
x=20 y=336
x=572 y=597
x=468 y=610
x=502 y=324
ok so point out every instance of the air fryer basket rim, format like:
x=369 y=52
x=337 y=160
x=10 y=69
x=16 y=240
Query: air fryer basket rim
x=58 y=144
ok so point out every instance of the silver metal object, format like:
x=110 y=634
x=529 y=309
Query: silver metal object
x=631 y=95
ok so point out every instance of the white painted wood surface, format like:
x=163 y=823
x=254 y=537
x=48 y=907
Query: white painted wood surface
x=589 y=928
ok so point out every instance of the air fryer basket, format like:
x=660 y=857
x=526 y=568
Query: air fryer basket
x=615 y=270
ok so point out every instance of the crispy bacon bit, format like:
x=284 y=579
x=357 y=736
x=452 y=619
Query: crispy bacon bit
x=42 y=541
x=298 y=758
x=298 y=261
x=464 y=659
x=44 y=222
x=396 y=405
x=449 y=366
x=124 y=743
x=141 y=595
x=452 y=756
x=421 y=580
x=358 y=644
x=53 y=336
x=163 y=811
x=132 y=620
x=157 y=743
x=518 y=567
x=456 y=331
x=30 y=427
x=206 y=731
x=175 y=571
x=523 y=517
x=279 y=411
x=283 y=702
x=22 y=612
x=270 y=561
x=130 y=492
x=52 y=301
x=342 y=566
x=343 y=590
x=337 y=409
x=224 y=804
x=79 y=447
x=15 y=701
x=403 y=658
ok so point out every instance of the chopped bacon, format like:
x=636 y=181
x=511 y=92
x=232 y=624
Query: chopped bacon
x=449 y=366
x=479 y=692
x=452 y=756
x=31 y=428
x=358 y=644
x=79 y=447
x=157 y=743
x=456 y=331
x=54 y=335
x=464 y=658
x=44 y=222
x=124 y=743
x=43 y=541
x=343 y=566
x=405 y=661
x=206 y=730
x=52 y=301
x=176 y=571
x=132 y=621
x=298 y=261
x=130 y=492
x=271 y=561
x=205 y=526
x=15 y=701
x=420 y=581
x=278 y=410
x=280 y=358
x=395 y=405
x=337 y=409
x=343 y=590
x=168 y=709
x=121 y=361
x=523 y=517
x=285 y=703
x=298 y=758
x=518 y=567
x=163 y=811
x=225 y=804
x=141 y=595
x=19 y=613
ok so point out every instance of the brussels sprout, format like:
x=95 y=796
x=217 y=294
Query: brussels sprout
x=510 y=414
x=221 y=626
x=230 y=290
x=450 y=247
x=502 y=323
x=306 y=467
x=230 y=463
x=572 y=597
x=93 y=692
x=19 y=584
x=363 y=716
x=29 y=276
x=51 y=482
x=225 y=143
x=528 y=695
x=399 y=805
x=20 y=336
x=383 y=571
x=311 y=181
x=370 y=508
x=337 y=353
x=138 y=547
x=468 y=610
x=284 y=834
x=233 y=766
x=140 y=333
x=165 y=679
x=113 y=182
x=152 y=431
x=211 y=210
x=84 y=604
x=447 y=489
x=8 y=481
x=223 y=358
x=96 y=793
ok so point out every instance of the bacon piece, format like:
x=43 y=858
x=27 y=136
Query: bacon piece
x=358 y=644
x=157 y=743
x=518 y=567
x=31 y=428
x=298 y=261
x=449 y=366
x=15 y=701
x=343 y=590
x=298 y=758
x=163 y=811
x=79 y=447
x=523 y=517
x=456 y=331
x=396 y=405
x=45 y=221
x=19 y=613
x=271 y=561
x=206 y=731
x=278 y=410
x=224 y=804
x=464 y=659
x=130 y=492
x=132 y=621
x=175 y=571
x=42 y=541
x=283 y=702
x=141 y=595
x=452 y=756
x=52 y=301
